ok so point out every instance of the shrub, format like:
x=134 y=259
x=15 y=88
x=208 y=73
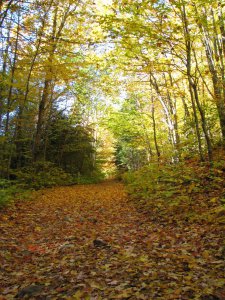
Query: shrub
x=95 y=177
x=165 y=181
x=7 y=192
x=42 y=174
x=5 y=196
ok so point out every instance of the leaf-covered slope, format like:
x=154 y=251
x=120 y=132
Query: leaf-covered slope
x=89 y=242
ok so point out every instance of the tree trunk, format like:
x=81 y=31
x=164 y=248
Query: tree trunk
x=13 y=69
x=41 y=120
x=172 y=134
x=27 y=89
x=154 y=129
x=204 y=125
x=189 y=76
x=4 y=13
x=216 y=71
x=38 y=147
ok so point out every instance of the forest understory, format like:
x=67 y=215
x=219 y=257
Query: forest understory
x=96 y=242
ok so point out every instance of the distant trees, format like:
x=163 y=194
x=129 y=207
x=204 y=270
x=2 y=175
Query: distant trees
x=69 y=146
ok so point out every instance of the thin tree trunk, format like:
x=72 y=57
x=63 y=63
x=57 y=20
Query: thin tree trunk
x=222 y=25
x=154 y=129
x=49 y=76
x=147 y=139
x=203 y=120
x=10 y=94
x=218 y=85
x=41 y=120
x=39 y=137
x=3 y=14
x=173 y=113
x=188 y=68
x=24 y=102
x=166 y=109
x=2 y=85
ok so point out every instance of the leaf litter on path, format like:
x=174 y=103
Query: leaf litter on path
x=90 y=242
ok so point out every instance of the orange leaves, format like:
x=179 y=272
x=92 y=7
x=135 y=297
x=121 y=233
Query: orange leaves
x=36 y=249
x=89 y=242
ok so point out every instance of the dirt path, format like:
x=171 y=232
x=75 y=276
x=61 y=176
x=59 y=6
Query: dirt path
x=89 y=242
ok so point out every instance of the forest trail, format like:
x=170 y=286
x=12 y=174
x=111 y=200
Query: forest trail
x=90 y=242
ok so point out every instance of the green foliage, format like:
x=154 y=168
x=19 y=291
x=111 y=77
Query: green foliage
x=9 y=191
x=69 y=145
x=42 y=174
x=5 y=192
x=95 y=177
x=171 y=187
x=129 y=157
x=68 y=151
x=170 y=179
x=183 y=189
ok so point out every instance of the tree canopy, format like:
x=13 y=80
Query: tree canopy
x=150 y=73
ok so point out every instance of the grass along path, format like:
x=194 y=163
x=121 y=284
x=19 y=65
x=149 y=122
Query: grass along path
x=90 y=242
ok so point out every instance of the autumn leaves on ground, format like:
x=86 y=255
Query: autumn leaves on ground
x=90 y=242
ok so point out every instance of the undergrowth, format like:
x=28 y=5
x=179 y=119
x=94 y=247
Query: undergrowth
x=40 y=175
x=6 y=192
x=12 y=191
x=187 y=192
